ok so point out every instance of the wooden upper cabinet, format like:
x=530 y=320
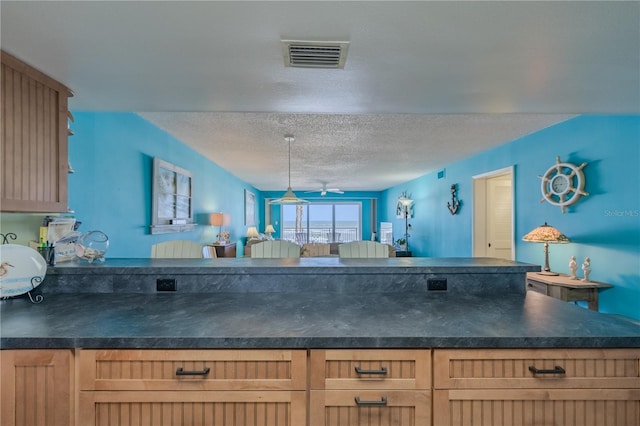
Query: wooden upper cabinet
x=33 y=140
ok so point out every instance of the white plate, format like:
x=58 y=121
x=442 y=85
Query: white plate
x=21 y=269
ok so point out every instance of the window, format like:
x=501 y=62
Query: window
x=322 y=222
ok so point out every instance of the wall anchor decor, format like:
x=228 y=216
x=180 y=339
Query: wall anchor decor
x=455 y=203
x=563 y=184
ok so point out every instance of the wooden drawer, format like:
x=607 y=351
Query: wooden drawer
x=370 y=369
x=512 y=368
x=514 y=407
x=192 y=369
x=211 y=408
x=536 y=286
x=380 y=408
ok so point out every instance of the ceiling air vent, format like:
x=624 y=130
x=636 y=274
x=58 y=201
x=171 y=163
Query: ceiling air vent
x=315 y=54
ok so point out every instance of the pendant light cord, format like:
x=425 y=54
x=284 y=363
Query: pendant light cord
x=289 y=163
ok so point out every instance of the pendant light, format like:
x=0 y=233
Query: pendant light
x=289 y=197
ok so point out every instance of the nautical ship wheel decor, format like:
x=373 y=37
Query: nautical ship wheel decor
x=563 y=184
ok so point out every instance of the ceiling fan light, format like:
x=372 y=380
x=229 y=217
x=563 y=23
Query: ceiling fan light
x=289 y=198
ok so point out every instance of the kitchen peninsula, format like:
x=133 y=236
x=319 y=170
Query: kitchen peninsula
x=380 y=333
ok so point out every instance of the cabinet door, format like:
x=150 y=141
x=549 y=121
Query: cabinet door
x=33 y=141
x=37 y=387
x=364 y=408
x=540 y=407
x=210 y=408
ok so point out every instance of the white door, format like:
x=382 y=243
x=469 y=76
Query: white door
x=493 y=215
x=499 y=202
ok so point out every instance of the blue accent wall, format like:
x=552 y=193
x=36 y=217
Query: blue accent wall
x=604 y=226
x=112 y=155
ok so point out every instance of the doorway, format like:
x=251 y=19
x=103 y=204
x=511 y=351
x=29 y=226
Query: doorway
x=493 y=214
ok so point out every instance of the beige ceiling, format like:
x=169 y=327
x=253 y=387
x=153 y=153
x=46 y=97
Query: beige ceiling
x=425 y=83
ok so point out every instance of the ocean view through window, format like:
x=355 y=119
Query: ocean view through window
x=322 y=222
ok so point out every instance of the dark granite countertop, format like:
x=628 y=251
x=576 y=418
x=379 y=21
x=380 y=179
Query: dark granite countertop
x=300 y=266
x=307 y=320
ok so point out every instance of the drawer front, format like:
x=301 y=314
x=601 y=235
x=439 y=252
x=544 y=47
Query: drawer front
x=211 y=408
x=192 y=369
x=513 y=407
x=537 y=286
x=537 y=368
x=370 y=369
x=365 y=408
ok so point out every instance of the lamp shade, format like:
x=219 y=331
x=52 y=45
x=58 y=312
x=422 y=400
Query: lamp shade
x=269 y=229
x=406 y=202
x=252 y=232
x=216 y=219
x=546 y=234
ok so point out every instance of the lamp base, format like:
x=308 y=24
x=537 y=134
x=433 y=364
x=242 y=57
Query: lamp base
x=548 y=273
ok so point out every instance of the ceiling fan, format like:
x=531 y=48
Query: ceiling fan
x=324 y=190
x=289 y=197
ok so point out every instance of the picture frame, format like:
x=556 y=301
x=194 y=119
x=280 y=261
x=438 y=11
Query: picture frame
x=172 y=198
x=249 y=208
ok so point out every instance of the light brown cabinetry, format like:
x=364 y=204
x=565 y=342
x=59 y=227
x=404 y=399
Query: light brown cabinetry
x=37 y=387
x=579 y=387
x=366 y=387
x=192 y=387
x=33 y=140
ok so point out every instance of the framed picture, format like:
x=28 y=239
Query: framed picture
x=249 y=208
x=172 y=198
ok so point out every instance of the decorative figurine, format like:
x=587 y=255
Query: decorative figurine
x=573 y=267
x=586 y=268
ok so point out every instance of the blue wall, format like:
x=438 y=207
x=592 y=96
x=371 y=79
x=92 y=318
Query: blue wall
x=604 y=226
x=112 y=155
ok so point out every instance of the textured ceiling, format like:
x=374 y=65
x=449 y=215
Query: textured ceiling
x=350 y=152
x=425 y=83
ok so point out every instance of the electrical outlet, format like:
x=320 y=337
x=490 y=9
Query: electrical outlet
x=166 y=284
x=437 y=284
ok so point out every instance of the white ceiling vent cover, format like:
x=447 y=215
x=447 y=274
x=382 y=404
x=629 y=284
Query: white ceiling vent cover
x=314 y=54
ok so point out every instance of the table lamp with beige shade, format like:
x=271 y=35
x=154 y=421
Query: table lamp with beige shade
x=252 y=233
x=269 y=230
x=546 y=234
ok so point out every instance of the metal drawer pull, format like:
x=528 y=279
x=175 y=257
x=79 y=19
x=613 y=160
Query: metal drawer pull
x=381 y=403
x=382 y=371
x=181 y=372
x=556 y=370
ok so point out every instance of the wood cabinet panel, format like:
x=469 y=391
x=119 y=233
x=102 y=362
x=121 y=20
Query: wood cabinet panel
x=370 y=369
x=514 y=407
x=509 y=368
x=33 y=140
x=576 y=387
x=211 y=408
x=380 y=408
x=37 y=387
x=225 y=369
